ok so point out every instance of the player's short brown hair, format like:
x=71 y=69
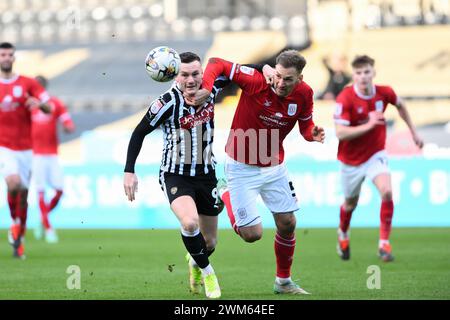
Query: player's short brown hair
x=291 y=58
x=363 y=60
x=188 y=57
x=7 y=45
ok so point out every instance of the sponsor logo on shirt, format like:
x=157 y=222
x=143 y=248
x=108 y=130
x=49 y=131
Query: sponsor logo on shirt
x=292 y=109
x=272 y=121
x=278 y=115
x=192 y=120
x=7 y=104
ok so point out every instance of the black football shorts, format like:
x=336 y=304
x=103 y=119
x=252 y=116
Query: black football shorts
x=201 y=188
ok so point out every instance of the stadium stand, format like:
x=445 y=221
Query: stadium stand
x=77 y=44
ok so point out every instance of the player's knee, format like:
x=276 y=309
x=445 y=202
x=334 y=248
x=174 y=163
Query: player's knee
x=349 y=207
x=190 y=225
x=251 y=237
x=13 y=183
x=386 y=195
x=287 y=224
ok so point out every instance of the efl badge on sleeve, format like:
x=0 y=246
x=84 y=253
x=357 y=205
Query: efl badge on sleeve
x=156 y=106
x=338 y=109
x=247 y=70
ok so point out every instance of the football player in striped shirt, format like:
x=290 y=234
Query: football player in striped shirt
x=187 y=172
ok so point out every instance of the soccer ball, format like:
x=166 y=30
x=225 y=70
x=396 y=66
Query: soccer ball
x=162 y=64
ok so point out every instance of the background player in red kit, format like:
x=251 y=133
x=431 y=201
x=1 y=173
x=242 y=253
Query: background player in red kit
x=15 y=139
x=254 y=165
x=46 y=169
x=361 y=130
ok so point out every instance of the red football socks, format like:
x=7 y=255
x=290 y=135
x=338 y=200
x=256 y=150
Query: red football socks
x=284 y=252
x=345 y=218
x=386 y=213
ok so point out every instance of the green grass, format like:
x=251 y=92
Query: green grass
x=134 y=264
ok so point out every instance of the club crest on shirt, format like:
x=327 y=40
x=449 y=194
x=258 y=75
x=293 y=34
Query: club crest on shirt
x=173 y=190
x=17 y=91
x=292 y=109
x=379 y=106
x=360 y=110
x=242 y=213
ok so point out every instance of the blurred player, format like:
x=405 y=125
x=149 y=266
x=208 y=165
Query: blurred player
x=46 y=169
x=361 y=130
x=15 y=140
x=254 y=165
x=187 y=173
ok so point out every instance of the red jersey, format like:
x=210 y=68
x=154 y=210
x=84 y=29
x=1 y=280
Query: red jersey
x=44 y=127
x=15 y=118
x=352 y=109
x=262 y=119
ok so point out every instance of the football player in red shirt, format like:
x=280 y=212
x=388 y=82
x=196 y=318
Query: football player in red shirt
x=361 y=130
x=15 y=139
x=254 y=165
x=46 y=169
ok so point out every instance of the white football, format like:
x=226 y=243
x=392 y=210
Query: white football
x=162 y=64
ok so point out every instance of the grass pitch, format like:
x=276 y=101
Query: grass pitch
x=149 y=264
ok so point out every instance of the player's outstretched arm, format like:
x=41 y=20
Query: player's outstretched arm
x=404 y=114
x=130 y=181
x=344 y=132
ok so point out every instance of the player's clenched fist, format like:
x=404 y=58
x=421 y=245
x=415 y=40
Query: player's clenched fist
x=199 y=98
x=130 y=184
x=318 y=134
x=376 y=118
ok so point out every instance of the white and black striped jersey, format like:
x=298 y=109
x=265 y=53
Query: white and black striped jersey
x=188 y=131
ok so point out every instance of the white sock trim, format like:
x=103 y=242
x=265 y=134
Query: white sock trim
x=282 y=280
x=189 y=233
x=208 y=270
x=382 y=242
